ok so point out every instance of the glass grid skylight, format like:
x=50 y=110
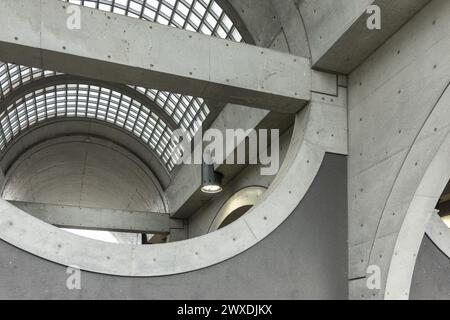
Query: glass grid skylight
x=13 y=76
x=204 y=16
x=91 y=102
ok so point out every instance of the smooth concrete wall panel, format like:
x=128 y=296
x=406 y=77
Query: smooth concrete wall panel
x=391 y=97
x=431 y=280
x=259 y=18
x=275 y=24
x=305 y=257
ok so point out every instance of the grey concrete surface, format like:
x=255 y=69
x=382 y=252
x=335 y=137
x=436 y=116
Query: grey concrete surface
x=200 y=222
x=439 y=233
x=197 y=70
x=304 y=157
x=431 y=279
x=330 y=131
x=396 y=128
x=87 y=172
x=184 y=192
x=337 y=29
x=266 y=28
x=305 y=258
x=113 y=220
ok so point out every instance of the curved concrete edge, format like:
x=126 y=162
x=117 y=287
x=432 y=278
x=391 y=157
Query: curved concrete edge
x=101 y=142
x=303 y=160
x=415 y=191
x=439 y=234
x=59 y=127
x=245 y=197
x=420 y=210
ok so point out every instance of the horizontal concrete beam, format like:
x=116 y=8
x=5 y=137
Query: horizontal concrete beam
x=121 y=49
x=97 y=219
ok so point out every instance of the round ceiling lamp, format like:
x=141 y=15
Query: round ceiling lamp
x=211 y=180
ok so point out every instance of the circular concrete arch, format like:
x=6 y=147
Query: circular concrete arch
x=304 y=159
x=421 y=213
x=419 y=184
x=274 y=24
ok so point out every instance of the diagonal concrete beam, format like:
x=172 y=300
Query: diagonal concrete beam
x=121 y=49
x=338 y=34
x=184 y=192
x=97 y=219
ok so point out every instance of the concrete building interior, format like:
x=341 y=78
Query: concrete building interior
x=356 y=93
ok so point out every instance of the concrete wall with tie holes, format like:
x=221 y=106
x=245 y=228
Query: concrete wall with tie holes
x=305 y=258
x=398 y=127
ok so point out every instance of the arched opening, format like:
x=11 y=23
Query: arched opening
x=237 y=206
x=58 y=179
x=443 y=206
x=233 y=216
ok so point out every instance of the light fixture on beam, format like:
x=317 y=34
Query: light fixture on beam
x=211 y=180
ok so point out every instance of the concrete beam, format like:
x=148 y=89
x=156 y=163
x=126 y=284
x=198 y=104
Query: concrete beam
x=97 y=219
x=337 y=29
x=151 y=55
x=184 y=192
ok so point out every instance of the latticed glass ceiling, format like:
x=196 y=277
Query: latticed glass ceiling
x=86 y=101
x=94 y=102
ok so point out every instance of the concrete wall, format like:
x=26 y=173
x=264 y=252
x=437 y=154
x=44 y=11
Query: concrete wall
x=391 y=97
x=304 y=258
x=432 y=274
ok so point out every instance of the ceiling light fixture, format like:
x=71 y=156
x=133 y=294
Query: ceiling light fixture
x=211 y=180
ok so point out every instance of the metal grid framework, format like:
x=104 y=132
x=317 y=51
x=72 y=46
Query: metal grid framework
x=91 y=102
x=204 y=16
x=13 y=76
